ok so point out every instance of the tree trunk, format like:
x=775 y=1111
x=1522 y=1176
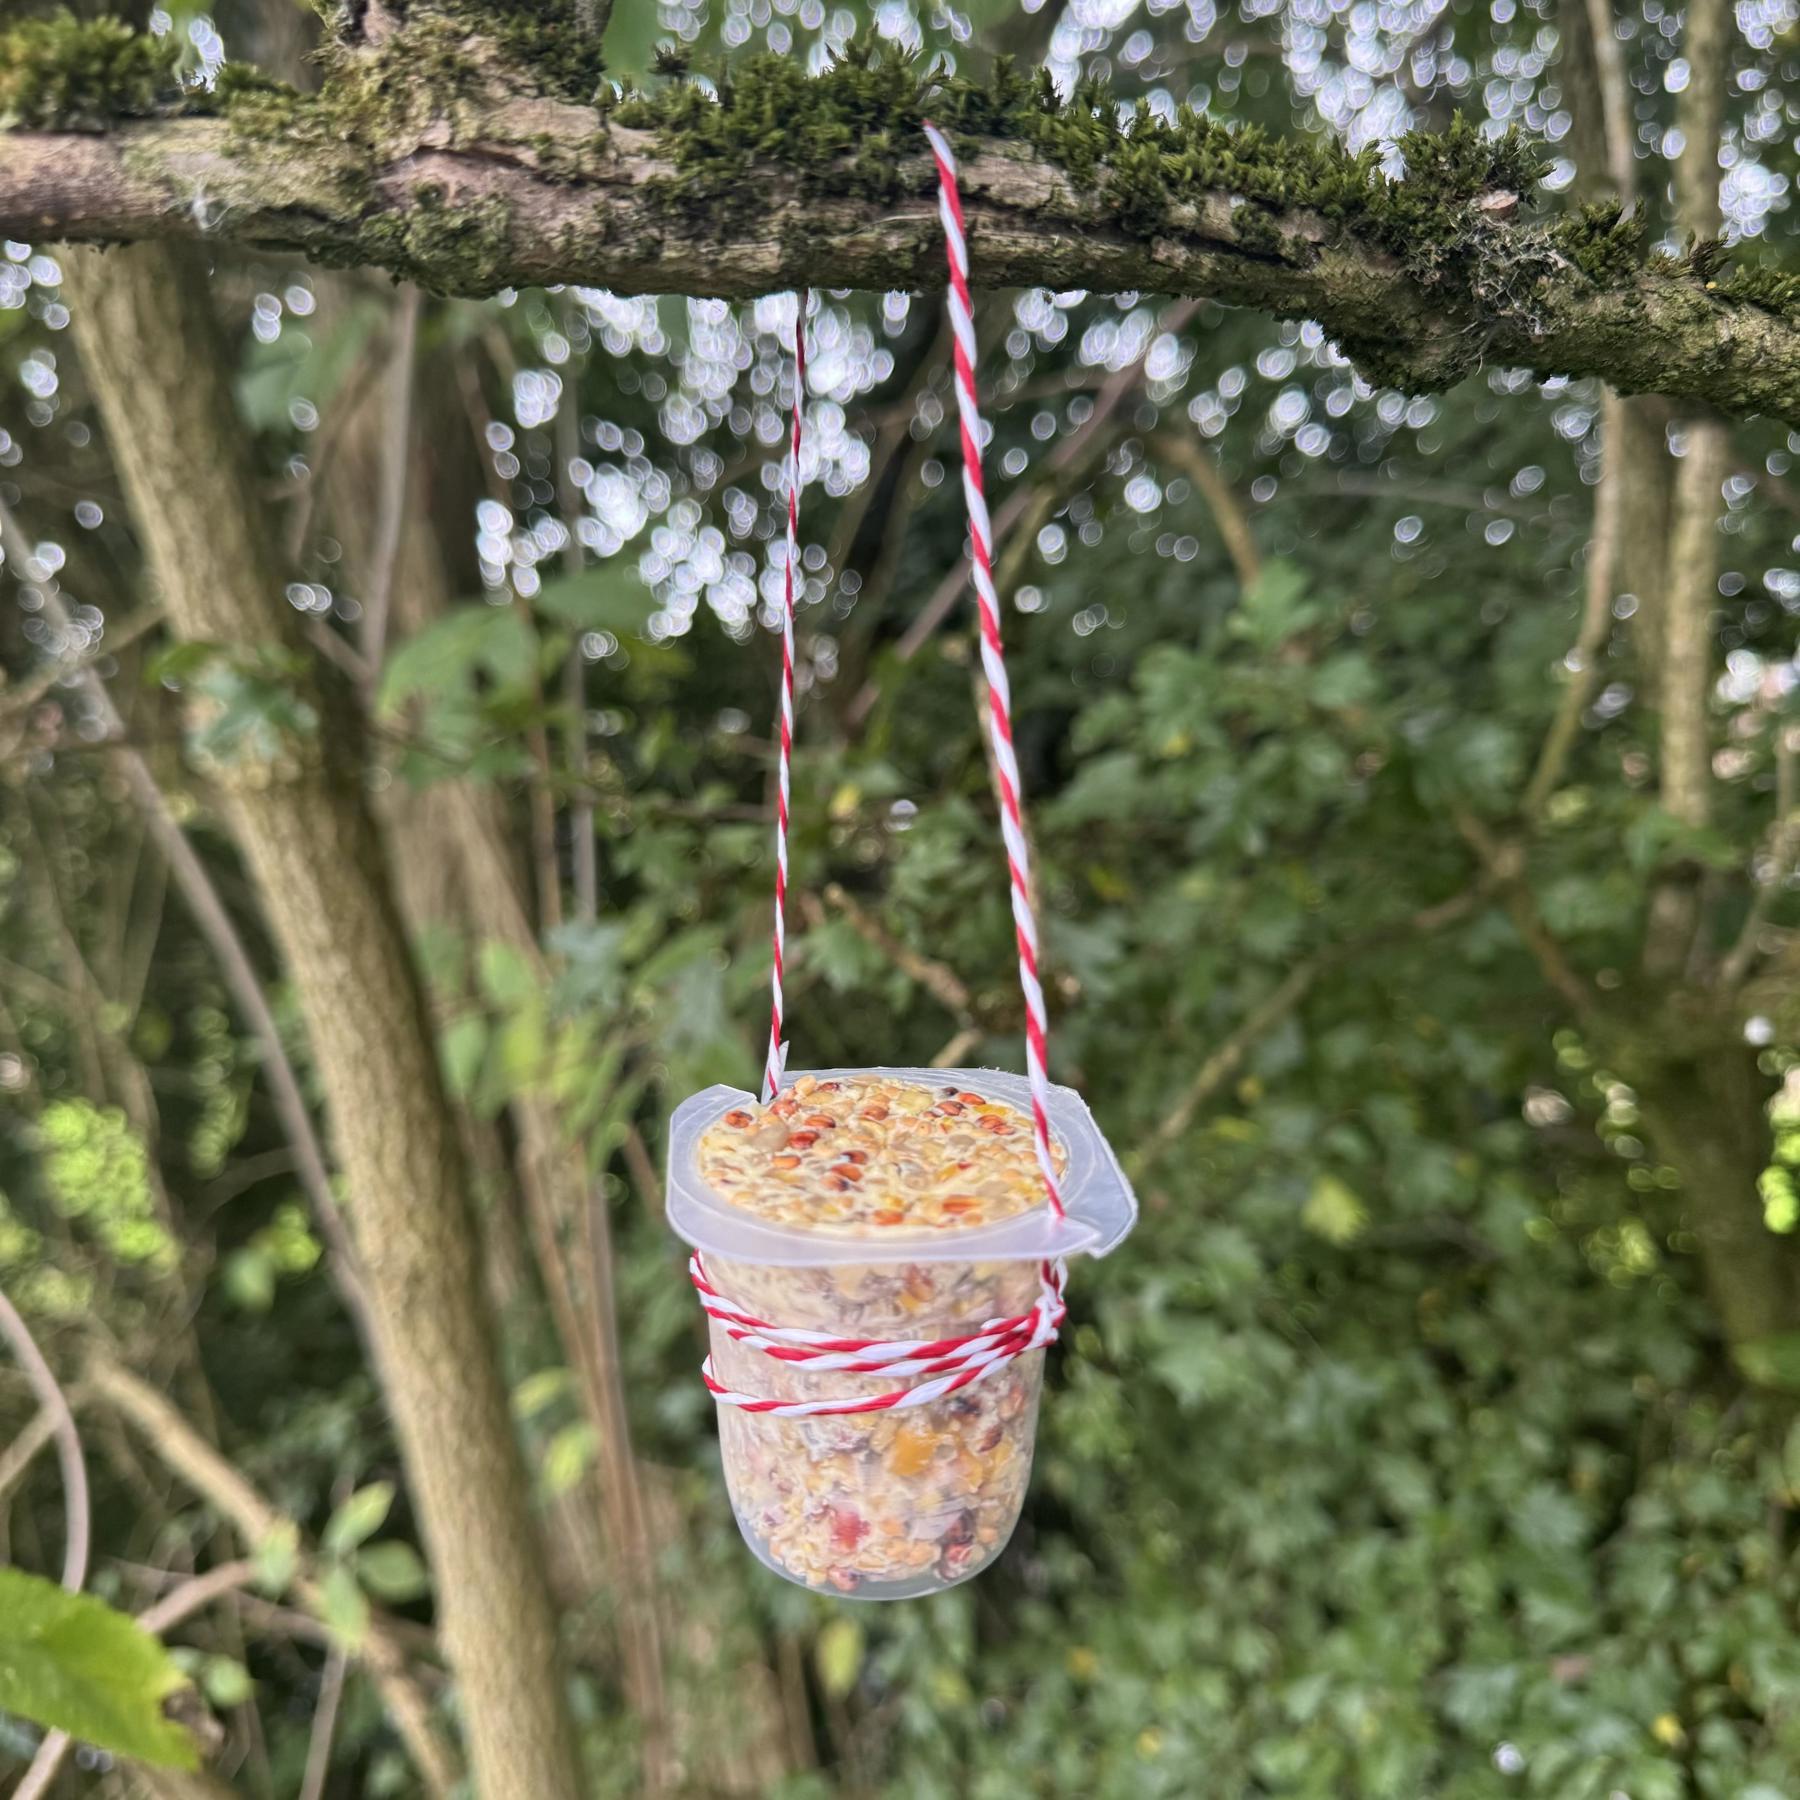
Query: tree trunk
x=457 y=863
x=1707 y=1113
x=154 y=355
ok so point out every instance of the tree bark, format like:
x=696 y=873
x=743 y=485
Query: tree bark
x=154 y=356
x=495 y=186
x=1707 y=1112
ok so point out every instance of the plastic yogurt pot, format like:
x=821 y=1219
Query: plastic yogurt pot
x=890 y=1204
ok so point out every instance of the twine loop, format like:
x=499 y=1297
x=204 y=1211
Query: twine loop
x=953 y=1362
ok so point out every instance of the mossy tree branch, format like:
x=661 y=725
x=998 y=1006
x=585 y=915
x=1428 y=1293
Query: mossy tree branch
x=435 y=153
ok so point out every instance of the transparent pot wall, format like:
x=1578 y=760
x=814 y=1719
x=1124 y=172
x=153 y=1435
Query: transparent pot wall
x=885 y=1505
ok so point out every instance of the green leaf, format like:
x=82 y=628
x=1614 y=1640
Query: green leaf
x=1772 y=1361
x=226 y=1682
x=277 y=1557
x=71 y=1663
x=462 y=1047
x=1333 y=1211
x=1275 y=609
x=180 y=662
x=507 y=977
x=344 y=1605
x=611 y=597
x=538 y=1391
x=358 y=1518
x=445 y=659
x=249 y=1280
x=392 y=1571
x=258 y=714
x=838 y=1656
x=567 y=1456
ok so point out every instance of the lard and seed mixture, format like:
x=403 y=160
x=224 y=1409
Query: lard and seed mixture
x=871 y=1150
x=904 y=1501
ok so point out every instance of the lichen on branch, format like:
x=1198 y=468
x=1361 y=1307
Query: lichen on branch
x=469 y=147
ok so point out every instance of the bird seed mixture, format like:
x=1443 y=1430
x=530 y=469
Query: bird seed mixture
x=895 y=1503
x=883 y=1504
x=873 y=1150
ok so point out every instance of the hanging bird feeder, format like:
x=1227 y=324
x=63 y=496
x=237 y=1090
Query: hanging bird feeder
x=881 y=1252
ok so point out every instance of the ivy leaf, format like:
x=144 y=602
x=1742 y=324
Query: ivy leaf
x=71 y=1663
x=258 y=713
x=1275 y=608
x=358 y=1518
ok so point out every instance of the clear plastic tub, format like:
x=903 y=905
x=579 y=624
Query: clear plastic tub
x=882 y=1505
x=902 y=1502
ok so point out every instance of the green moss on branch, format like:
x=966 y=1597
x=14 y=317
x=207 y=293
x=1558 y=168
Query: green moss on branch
x=67 y=74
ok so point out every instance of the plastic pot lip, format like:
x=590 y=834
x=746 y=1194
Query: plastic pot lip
x=1100 y=1205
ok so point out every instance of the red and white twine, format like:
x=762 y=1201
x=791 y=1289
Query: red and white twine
x=955 y=1362
x=777 y=1052
x=993 y=660
x=951 y=1363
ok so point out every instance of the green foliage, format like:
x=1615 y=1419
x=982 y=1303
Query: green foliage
x=98 y=1173
x=1399 y=1453
x=359 y=1517
x=849 y=128
x=71 y=1663
x=285 y=1246
x=63 y=73
x=839 y=1655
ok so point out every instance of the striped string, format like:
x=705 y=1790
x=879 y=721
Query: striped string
x=777 y=1050
x=949 y=1363
x=993 y=660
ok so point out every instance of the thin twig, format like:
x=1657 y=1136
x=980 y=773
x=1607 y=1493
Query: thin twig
x=76 y=1511
x=324 y=1725
x=1219 y=1067
x=256 y=1519
x=951 y=1055
x=396 y=461
x=239 y=972
x=1201 y=467
x=1583 y=662
x=644 y=1174
x=1504 y=865
x=584 y=846
x=937 y=978
x=1070 y=453
x=1282 y=1000
x=540 y=800
x=195 y=1593
x=51 y=1399
x=22 y=1452
x=23 y=695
